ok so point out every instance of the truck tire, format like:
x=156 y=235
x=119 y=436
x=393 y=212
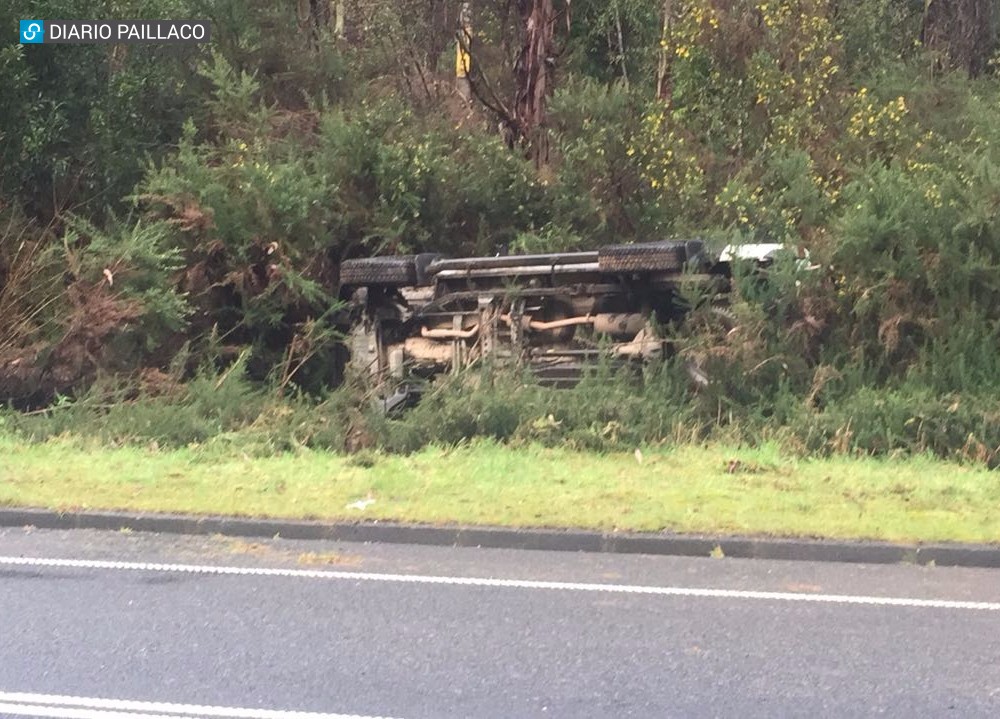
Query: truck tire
x=400 y=271
x=666 y=256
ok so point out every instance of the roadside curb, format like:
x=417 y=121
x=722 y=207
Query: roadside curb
x=813 y=550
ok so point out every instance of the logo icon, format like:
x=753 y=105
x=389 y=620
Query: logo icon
x=32 y=31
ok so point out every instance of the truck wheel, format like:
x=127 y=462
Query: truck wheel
x=401 y=271
x=668 y=256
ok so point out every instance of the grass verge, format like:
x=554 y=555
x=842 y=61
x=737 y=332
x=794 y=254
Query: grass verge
x=686 y=489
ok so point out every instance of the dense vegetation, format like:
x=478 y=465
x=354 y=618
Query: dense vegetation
x=172 y=217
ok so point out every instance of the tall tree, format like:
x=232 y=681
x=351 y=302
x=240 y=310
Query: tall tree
x=961 y=33
x=463 y=59
x=533 y=72
x=664 y=84
x=339 y=13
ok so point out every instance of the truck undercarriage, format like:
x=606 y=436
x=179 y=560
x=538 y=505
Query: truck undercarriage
x=414 y=317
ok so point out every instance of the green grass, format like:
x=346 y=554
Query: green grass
x=687 y=489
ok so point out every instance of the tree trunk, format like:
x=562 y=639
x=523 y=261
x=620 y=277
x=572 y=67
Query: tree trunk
x=315 y=17
x=441 y=25
x=533 y=75
x=960 y=33
x=621 y=44
x=664 y=70
x=339 y=13
x=463 y=53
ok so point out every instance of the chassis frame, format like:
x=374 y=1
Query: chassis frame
x=415 y=317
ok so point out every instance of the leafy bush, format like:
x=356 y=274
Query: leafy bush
x=210 y=409
x=80 y=120
x=608 y=409
x=911 y=420
x=919 y=253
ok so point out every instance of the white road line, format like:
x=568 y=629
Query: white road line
x=66 y=707
x=33 y=710
x=501 y=583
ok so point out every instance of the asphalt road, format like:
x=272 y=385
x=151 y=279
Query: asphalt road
x=414 y=632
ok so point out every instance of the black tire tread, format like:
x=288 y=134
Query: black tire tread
x=399 y=270
x=668 y=256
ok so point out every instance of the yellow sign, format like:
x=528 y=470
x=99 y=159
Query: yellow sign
x=463 y=61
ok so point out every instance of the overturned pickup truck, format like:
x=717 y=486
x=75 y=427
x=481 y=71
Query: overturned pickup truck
x=413 y=317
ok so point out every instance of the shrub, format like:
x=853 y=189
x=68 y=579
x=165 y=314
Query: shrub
x=911 y=420
x=211 y=409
